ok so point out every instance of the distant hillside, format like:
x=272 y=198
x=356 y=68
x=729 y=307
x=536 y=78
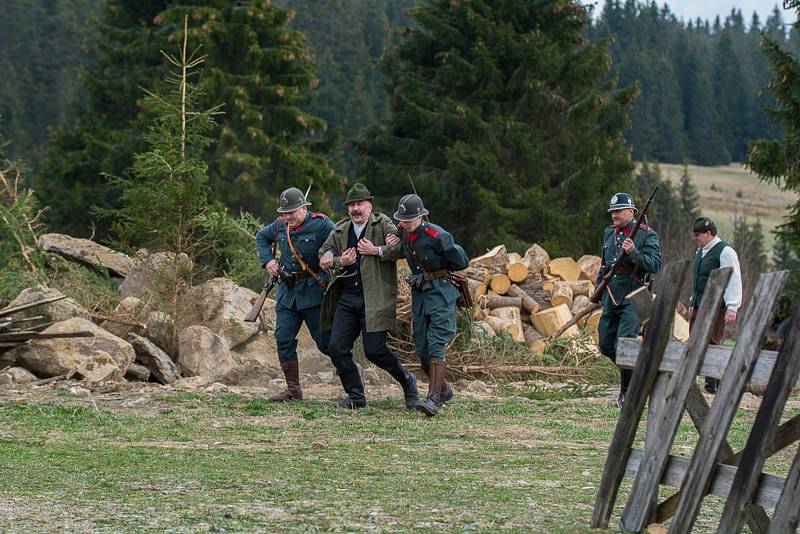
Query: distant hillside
x=730 y=191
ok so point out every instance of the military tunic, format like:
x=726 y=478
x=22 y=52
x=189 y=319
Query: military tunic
x=300 y=301
x=619 y=319
x=434 y=309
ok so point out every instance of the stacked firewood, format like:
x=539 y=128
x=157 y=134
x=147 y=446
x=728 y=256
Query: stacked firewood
x=531 y=296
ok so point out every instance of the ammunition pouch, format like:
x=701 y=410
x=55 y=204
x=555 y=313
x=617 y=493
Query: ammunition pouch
x=419 y=283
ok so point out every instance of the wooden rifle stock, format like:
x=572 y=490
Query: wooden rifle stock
x=616 y=265
x=252 y=315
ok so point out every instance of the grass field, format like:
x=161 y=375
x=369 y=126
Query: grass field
x=165 y=460
x=731 y=191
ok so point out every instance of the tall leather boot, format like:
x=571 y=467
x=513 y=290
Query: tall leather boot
x=291 y=371
x=436 y=371
x=352 y=384
x=447 y=391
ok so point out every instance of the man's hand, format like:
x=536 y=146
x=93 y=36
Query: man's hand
x=730 y=316
x=272 y=267
x=392 y=240
x=326 y=261
x=628 y=246
x=367 y=247
x=349 y=257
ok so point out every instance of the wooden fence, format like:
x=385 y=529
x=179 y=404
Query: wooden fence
x=666 y=373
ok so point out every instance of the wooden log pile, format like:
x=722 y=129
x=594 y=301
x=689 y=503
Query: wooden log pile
x=15 y=331
x=530 y=296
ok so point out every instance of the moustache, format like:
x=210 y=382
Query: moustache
x=356 y=212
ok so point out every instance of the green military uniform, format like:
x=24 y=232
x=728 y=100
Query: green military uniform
x=619 y=319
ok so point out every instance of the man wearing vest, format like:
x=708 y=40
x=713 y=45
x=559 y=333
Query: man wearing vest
x=298 y=235
x=713 y=253
x=362 y=296
x=641 y=259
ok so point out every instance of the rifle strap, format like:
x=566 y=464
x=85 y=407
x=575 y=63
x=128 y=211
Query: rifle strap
x=305 y=266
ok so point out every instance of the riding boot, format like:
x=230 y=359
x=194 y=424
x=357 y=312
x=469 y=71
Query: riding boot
x=436 y=371
x=447 y=391
x=292 y=392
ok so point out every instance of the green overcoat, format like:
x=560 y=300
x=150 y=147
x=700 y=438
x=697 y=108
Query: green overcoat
x=378 y=275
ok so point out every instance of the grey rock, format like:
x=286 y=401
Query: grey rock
x=153 y=358
x=138 y=372
x=54 y=357
x=99 y=367
x=161 y=275
x=201 y=352
x=60 y=310
x=87 y=252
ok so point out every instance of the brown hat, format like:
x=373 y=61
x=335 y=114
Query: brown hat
x=702 y=225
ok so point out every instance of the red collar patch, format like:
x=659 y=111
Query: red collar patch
x=318 y=216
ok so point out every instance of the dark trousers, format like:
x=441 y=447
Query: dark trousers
x=717 y=337
x=288 y=321
x=349 y=321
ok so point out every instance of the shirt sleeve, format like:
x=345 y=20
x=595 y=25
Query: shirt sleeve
x=264 y=240
x=733 y=291
x=648 y=258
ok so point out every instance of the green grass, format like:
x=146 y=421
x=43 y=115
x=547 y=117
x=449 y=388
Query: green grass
x=187 y=462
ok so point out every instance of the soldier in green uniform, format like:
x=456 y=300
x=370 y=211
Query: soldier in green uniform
x=431 y=255
x=299 y=235
x=642 y=258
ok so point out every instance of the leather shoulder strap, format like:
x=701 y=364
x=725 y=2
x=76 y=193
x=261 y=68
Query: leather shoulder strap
x=305 y=266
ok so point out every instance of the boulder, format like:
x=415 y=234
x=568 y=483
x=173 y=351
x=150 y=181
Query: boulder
x=54 y=357
x=129 y=316
x=250 y=374
x=60 y=310
x=160 y=275
x=203 y=353
x=20 y=376
x=99 y=367
x=154 y=359
x=138 y=372
x=220 y=305
x=160 y=329
x=87 y=252
x=260 y=349
x=194 y=382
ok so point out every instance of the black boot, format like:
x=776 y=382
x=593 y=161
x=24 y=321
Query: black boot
x=447 y=391
x=409 y=384
x=291 y=371
x=436 y=371
x=352 y=384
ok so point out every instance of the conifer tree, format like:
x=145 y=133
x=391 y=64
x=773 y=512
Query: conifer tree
x=503 y=116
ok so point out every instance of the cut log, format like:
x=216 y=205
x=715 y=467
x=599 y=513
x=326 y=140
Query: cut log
x=590 y=266
x=528 y=303
x=680 y=328
x=549 y=320
x=496 y=256
x=594 y=318
x=537 y=259
x=511 y=314
x=548 y=286
x=512 y=328
x=565 y=268
x=517 y=271
x=514 y=257
x=533 y=339
x=500 y=284
x=493 y=302
x=581 y=287
x=480 y=328
x=561 y=294
x=580 y=303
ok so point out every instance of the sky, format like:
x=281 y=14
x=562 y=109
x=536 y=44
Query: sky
x=708 y=9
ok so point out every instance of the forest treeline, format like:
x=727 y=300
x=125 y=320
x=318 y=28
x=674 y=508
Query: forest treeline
x=525 y=116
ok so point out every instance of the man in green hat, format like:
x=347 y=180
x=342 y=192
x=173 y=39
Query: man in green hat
x=362 y=296
x=298 y=235
x=431 y=254
x=713 y=253
x=642 y=258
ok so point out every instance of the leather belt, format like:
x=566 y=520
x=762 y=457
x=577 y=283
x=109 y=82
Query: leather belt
x=433 y=275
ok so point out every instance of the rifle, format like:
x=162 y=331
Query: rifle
x=252 y=315
x=613 y=269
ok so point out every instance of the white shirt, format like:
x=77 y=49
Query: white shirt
x=728 y=258
x=358 y=228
